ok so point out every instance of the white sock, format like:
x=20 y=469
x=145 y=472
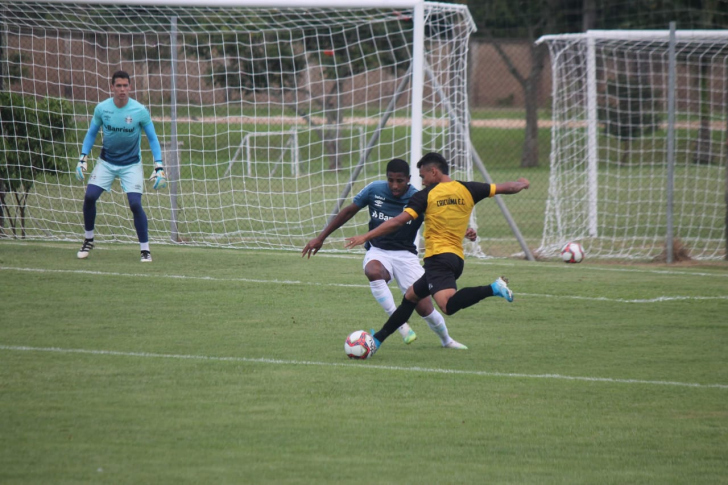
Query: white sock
x=144 y=246
x=437 y=323
x=384 y=297
x=88 y=234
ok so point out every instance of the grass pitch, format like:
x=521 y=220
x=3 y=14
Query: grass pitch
x=225 y=366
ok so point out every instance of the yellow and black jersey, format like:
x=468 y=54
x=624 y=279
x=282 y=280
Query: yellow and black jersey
x=447 y=207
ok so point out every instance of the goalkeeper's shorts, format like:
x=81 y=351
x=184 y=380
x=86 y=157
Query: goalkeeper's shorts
x=131 y=176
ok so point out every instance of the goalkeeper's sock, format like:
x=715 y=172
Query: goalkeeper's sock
x=467 y=297
x=144 y=246
x=88 y=235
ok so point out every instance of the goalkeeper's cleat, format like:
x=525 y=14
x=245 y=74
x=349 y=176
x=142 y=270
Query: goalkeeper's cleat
x=455 y=345
x=410 y=337
x=88 y=245
x=146 y=256
x=500 y=288
x=377 y=343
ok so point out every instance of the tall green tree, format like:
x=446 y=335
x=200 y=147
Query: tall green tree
x=33 y=136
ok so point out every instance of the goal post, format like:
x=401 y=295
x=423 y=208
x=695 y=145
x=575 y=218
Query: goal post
x=631 y=108
x=304 y=84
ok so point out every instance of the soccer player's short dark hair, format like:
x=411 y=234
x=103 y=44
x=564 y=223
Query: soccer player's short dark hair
x=398 y=165
x=120 y=75
x=433 y=158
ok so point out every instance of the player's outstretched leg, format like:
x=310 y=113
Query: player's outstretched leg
x=377 y=343
x=383 y=295
x=500 y=288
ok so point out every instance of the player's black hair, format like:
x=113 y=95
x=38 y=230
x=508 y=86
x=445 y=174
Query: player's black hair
x=120 y=75
x=433 y=158
x=398 y=165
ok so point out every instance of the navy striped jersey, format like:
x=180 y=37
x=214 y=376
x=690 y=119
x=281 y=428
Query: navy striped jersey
x=383 y=205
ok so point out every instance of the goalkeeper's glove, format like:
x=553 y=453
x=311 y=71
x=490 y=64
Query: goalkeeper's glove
x=81 y=168
x=158 y=176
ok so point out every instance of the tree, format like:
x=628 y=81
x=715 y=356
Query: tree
x=623 y=112
x=34 y=135
x=500 y=19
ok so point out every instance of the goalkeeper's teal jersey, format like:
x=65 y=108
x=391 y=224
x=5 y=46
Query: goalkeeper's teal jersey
x=122 y=129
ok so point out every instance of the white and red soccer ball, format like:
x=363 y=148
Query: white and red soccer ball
x=359 y=345
x=573 y=252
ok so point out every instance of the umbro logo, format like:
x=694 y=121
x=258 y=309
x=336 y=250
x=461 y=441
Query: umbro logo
x=128 y=120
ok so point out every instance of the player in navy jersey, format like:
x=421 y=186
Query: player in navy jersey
x=445 y=205
x=122 y=120
x=393 y=255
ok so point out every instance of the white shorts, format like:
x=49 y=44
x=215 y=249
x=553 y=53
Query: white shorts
x=403 y=266
x=131 y=176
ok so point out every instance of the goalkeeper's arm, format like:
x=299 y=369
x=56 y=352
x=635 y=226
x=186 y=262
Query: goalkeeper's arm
x=88 y=144
x=158 y=176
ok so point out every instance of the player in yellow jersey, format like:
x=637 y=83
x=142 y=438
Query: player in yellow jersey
x=446 y=205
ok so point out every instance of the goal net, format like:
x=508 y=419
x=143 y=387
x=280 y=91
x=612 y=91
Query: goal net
x=270 y=117
x=612 y=132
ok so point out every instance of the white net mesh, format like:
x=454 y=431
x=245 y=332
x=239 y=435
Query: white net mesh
x=608 y=186
x=269 y=119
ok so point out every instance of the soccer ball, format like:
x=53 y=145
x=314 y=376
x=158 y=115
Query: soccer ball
x=359 y=345
x=572 y=253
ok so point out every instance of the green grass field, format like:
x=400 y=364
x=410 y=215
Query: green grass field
x=227 y=366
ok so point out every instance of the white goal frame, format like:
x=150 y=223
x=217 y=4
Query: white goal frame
x=217 y=76
x=581 y=69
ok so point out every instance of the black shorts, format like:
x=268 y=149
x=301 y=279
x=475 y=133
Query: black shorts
x=441 y=273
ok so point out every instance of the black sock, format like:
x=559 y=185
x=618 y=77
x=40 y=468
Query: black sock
x=467 y=297
x=396 y=320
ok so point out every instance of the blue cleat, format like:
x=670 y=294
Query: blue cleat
x=500 y=288
x=377 y=343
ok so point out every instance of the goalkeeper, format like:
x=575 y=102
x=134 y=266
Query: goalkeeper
x=122 y=120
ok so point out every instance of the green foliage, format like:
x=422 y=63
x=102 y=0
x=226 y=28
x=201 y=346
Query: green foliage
x=371 y=46
x=253 y=62
x=272 y=59
x=34 y=135
x=12 y=68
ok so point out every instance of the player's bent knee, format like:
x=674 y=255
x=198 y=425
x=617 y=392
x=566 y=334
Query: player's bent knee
x=377 y=272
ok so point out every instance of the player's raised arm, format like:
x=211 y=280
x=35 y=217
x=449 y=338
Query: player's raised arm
x=385 y=228
x=312 y=247
x=512 y=187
